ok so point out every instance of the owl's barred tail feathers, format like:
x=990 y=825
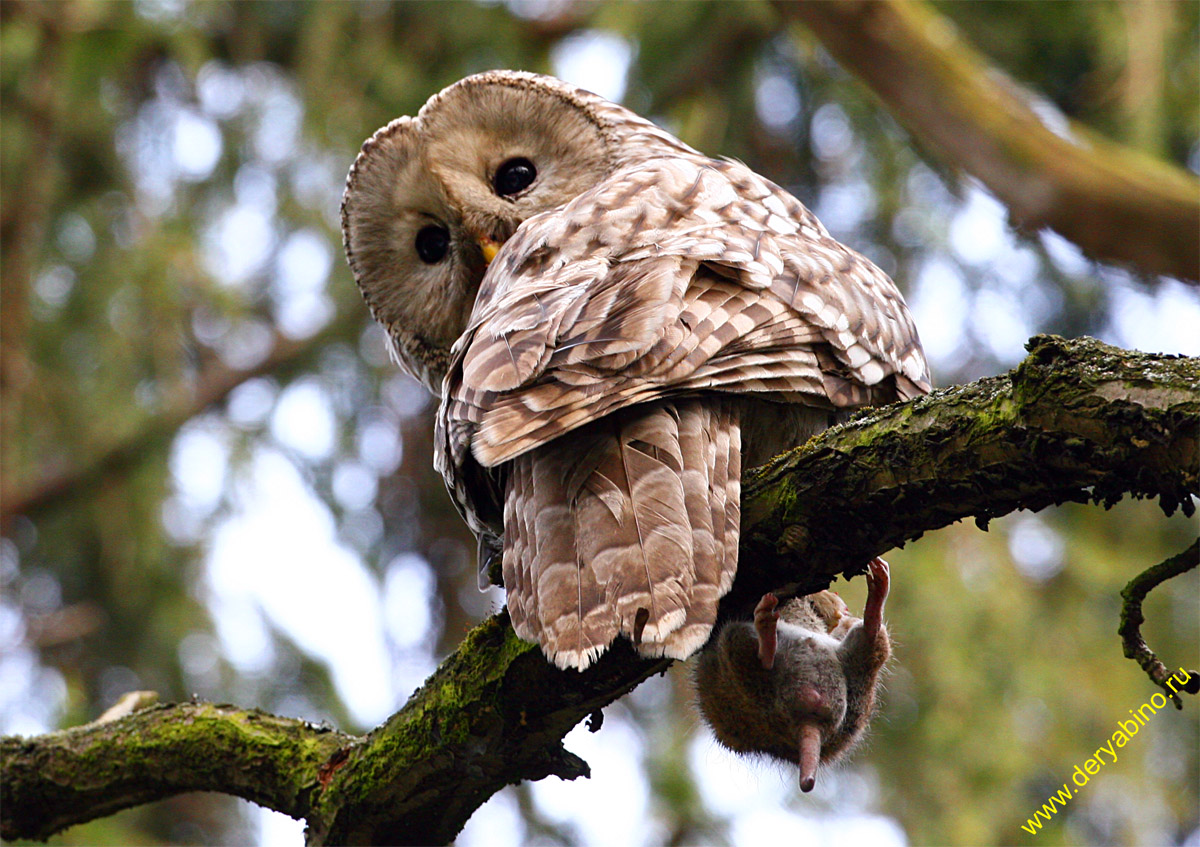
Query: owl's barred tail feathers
x=628 y=528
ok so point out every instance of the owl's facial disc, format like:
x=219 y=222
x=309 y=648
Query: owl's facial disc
x=431 y=199
x=416 y=266
x=507 y=150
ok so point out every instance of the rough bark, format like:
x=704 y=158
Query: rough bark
x=1076 y=421
x=1117 y=204
x=64 y=778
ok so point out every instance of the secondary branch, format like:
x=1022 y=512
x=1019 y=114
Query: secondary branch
x=1117 y=204
x=216 y=382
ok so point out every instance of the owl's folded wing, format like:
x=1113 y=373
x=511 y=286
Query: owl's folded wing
x=673 y=276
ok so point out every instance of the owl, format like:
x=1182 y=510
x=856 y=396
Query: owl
x=616 y=326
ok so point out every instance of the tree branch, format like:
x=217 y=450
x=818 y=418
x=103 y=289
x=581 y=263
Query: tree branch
x=68 y=777
x=1076 y=421
x=494 y=713
x=214 y=384
x=1130 y=630
x=1117 y=204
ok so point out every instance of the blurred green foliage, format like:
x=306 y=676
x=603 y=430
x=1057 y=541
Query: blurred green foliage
x=161 y=159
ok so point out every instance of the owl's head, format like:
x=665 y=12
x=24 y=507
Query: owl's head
x=431 y=197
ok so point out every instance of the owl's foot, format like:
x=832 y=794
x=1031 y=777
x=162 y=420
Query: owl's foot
x=765 y=618
x=878 y=580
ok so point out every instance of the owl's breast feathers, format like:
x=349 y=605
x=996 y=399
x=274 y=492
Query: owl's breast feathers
x=674 y=278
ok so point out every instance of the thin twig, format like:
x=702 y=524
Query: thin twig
x=1130 y=630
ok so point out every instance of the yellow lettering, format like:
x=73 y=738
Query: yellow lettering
x=1082 y=774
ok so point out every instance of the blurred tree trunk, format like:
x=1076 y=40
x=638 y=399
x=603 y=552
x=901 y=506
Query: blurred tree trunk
x=23 y=222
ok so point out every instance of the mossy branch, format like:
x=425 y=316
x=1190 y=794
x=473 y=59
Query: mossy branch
x=1076 y=421
x=1117 y=204
x=55 y=781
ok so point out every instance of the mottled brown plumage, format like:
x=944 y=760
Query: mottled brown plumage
x=649 y=306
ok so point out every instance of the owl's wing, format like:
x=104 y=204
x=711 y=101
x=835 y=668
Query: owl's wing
x=673 y=276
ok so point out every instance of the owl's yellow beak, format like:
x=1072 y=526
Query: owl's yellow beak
x=490 y=248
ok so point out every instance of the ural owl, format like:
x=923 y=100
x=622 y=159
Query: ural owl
x=616 y=325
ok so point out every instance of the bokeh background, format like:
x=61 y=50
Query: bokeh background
x=217 y=485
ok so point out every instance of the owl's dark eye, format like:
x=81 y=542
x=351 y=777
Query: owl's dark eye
x=513 y=176
x=432 y=244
